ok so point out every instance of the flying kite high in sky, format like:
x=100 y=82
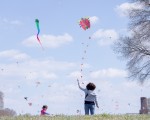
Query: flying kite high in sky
x=38 y=28
x=84 y=23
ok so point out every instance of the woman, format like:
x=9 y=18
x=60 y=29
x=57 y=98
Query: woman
x=90 y=98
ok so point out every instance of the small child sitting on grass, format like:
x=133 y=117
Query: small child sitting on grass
x=43 y=111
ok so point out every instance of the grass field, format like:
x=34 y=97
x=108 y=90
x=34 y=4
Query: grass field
x=95 y=117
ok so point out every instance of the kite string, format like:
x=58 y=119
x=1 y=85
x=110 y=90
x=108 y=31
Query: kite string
x=85 y=24
x=84 y=59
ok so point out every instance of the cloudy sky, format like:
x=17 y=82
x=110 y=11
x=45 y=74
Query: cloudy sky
x=48 y=76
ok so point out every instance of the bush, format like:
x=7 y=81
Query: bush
x=7 y=112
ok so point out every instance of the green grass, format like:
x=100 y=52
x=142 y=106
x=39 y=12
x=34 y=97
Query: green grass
x=94 y=117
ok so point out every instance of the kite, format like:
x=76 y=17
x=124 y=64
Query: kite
x=38 y=28
x=84 y=23
x=30 y=104
x=26 y=98
x=37 y=83
x=78 y=111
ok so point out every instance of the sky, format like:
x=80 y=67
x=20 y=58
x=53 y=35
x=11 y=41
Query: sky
x=49 y=76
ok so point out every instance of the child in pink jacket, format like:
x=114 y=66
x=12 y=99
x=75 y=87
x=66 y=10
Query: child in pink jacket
x=43 y=111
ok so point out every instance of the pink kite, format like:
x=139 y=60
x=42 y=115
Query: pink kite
x=84 y=23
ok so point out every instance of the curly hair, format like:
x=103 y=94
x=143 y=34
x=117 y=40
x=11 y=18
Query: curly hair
x=90 y=86
x=44 y=106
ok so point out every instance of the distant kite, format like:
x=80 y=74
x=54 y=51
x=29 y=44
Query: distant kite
x=26 y=98
x=84 y=23
x=38 y=28
x=30 y=104
x=37 y=83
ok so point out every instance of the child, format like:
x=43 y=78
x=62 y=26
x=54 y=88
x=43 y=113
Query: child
x=43 y=111
x=90 y=98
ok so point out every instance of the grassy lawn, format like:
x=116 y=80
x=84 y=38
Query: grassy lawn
x=95 y=117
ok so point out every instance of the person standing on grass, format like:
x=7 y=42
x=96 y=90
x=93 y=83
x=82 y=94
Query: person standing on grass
x=90 y=98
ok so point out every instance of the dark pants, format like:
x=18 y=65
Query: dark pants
x=89 y=107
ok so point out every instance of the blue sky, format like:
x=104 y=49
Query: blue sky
x=49 y=76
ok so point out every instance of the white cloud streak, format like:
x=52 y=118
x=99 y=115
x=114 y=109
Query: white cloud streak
x=29 y=68
x=14 y=54
x=108 y=73
x=94 y=19
x=49 y=41
x=11 y=22
x=105 y=37
x=75 y=74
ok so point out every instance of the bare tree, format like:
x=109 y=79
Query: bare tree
x=7 y=112
x=1 y=100
x=135 y=47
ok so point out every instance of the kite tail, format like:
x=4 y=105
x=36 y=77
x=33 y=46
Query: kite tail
x=39 y=41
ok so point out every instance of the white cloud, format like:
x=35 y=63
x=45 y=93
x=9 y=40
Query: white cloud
x=13 y=54
x=124 y=8
x=50 y=76
x=30 y=69
x=94 y=19
x=110 y=72
x=15 y=22
x=49 y=41
x=75 y=74
x=105 y=37
x=131 y=84
x=11 y=22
